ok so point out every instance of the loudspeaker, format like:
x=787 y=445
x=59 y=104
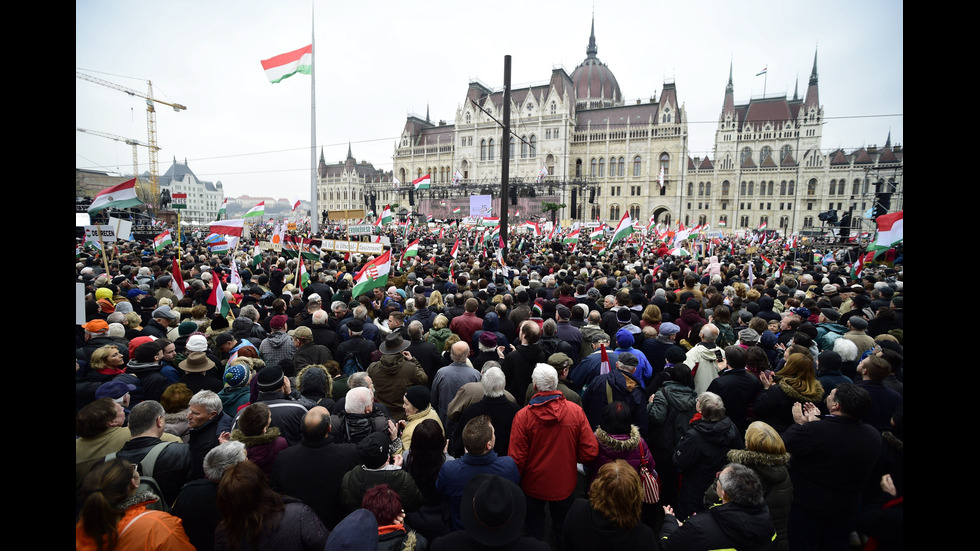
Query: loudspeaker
x=592 y=195
x=574 y=201
x=532 y=192
x=513 y=196
x=411 y=197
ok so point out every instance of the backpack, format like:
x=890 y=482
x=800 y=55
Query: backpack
x=147 y=482
x=352 y=363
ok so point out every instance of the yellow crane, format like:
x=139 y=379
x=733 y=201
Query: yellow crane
x=127 y=141
x=151 y=125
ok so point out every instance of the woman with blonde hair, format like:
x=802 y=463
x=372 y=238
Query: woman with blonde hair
x=652 y=317
x=435 y=303
x=610 y=517
x=765 y=453
x=439 y=333
x=795 y=382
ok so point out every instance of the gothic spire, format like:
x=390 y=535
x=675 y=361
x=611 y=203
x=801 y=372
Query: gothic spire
x=730 y=87
x=591 y=51
x=888 y=142
x=349 y=156
x=813 y=73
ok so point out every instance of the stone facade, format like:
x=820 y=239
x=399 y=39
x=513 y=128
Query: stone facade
x=341 y=186
x=203 y=198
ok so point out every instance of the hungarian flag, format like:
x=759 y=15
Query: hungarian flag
x=722 y=222
x=603 y=360
x=235 y=277
x=598 y=231
x=374 y=274
x=411 y=250
x=890 y=229
x=421 y=182
x=256 y=255
x=223 y=210
x=571 y=238
x=765 y=260
x=304 y=276
x=457 y=210
x=455 y=249
x=286 y=65
x=119 y=196
x=639 y=253
x=490 y=221
x=162 y=240
x=763 y=225
x=257 y=210
x=218 y=300
x=296 y=205
x=386 y=216
x=858 y=269
x=177 y=281
x=533 y=226
x=601 y=249
x=623 y=229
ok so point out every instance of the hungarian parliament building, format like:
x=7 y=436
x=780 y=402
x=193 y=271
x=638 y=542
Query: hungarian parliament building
x=575 y=141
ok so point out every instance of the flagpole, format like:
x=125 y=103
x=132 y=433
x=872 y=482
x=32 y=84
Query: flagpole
x=314 y=203
x=178 y=237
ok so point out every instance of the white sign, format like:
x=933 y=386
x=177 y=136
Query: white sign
x=362 y=229
x=370 y=248
x=92 y=233
x=123 y=228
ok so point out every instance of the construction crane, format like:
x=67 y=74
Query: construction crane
x=151 y=125
x=127 y=141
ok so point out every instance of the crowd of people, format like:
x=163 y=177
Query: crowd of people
x=548 y=397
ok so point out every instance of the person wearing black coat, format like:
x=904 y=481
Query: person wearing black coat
x=701 y=453
x=521 y=361
x=737 y=387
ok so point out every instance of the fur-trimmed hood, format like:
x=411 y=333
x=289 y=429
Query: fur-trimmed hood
x=753 y=458
x=267 y=437
x=816 y=395
x=327 y=379
x=138 y=498
x=618 y=442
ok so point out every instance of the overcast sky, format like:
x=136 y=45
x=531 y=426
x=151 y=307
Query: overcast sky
x=379 y=61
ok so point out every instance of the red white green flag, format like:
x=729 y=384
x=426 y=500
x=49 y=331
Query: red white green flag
x=177 y=281
x=286 y=65
x=374 y=274
x=455 y=249
x=891 y=229
x=162 y=240
x=411 y=250
x=218 y=299
x=118 y=197
x=623 y=229
x=421 y=182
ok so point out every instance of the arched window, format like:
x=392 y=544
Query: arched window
x=554 y=108
x=534 y=146
x=467 y=117
x=700 y=189
x=792 y=188
x=635 y=212
x=707 y=189
x=483 y=150
x=592 y=168
x=523 y=147
x=833 y=187
x=742 y=188
x=766 y=154
x=636 y=165
x=811 y=187
x=665 y=167
x=856 y=188
x=702 y=220
x=622 y=167
x=751 y=188
x=512 y=151
x=614 y=212
x=726 y=187
x=746 y=154
x=578 y=167
x=612 y=167
x=602 y=167
x=771 y=187
x=490 y=150
x=786 y=151
x=690 y=189
x=840 y=188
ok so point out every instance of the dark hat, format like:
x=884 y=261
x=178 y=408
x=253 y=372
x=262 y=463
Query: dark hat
x=374 y=450
x=113 y=389
x=278 y=322
x=196 y=362
x=627 y=358
x=488 y=338
x=858 y=322
x=394 y=343
x=357 y=532
x=418 y=396
x=675 y=354
x=355 y=325
x=186 y=328
x=270 y=377
x=828 y=360
x=748 y=336
x=493 y=510
x=623 y=315
x=831 y=313
x=559 y=360
x=595 y=337
x=136 y=292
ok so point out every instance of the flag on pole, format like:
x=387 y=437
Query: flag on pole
x=542 y=173
x=218 y=300
x=177 y=281
x=374 y=274
x=304 y=276
x=228 y=227
x=762 y=225
x=162 y=240
x=858 y=269
x=490 y=221
x=421 y=182
x=119 y=196
x=395 y=181
x=256 y=255
x=571 y=238
x=890 y=229
x=457 y=210
x=295 y=205
x=762 y=72
x=457 y=177
x=386 y=216
x=235 y=277
x=455 y=249
x=223 y=210
x=411 y=250
x=623 y=229
x=286 y=65
x=603 y=360
x=598 y=231
x=660 y=178
x=256 y=211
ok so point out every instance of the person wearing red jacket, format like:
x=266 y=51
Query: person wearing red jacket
x=548 y=437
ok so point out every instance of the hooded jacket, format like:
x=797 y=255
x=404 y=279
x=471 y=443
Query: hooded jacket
x=262 y=449
x=628 y=447
x=703 y=362
x=700 y=454
x=276 y=347
x=672 y=408
x=548 y=437
x=777 y=487
x=625 y=341
x=147 y=529
x=518 y=366
x=438 y=338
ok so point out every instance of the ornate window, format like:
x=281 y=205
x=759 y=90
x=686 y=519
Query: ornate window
x=746 y=154
x=612 y=167
x=523 y=147
x=490 y=150
x=483 y=150
x=592 y=169
x=534 y=146
x=707 y=189
x=602 y=167
x=636 y=165
x=622 y=167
